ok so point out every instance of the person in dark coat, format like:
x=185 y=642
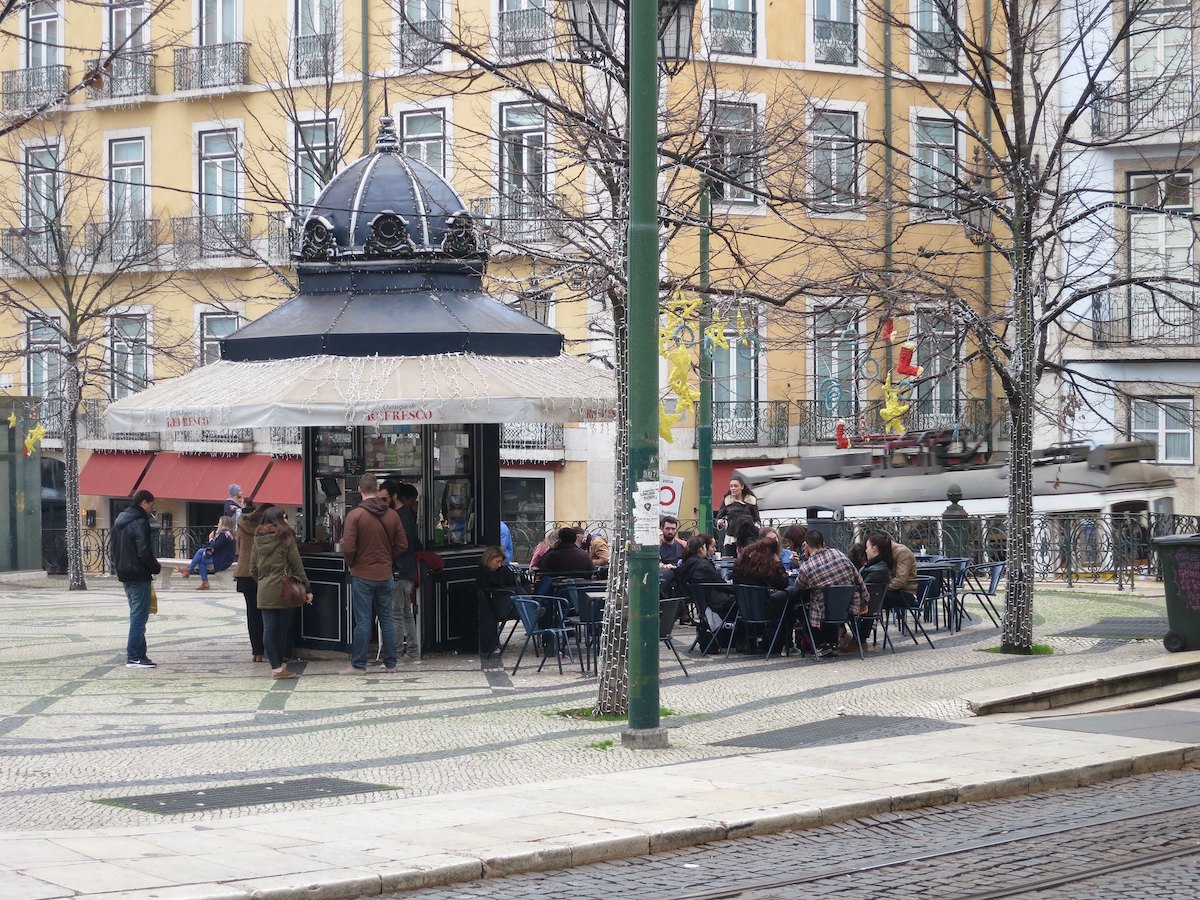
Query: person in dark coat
x=495 y=585
x=740 y=506
x=759 y=564
x=275 y=556
x=697 y=569
x=135 y=564
x=566 y=557
x=403 y=498
x=247 y=524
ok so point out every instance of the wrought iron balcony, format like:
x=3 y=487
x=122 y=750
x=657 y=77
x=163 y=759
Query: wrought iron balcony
x=131 y=242
x=211 y=66
x=126 y=75
x=520 y=218
x=93 y=428
x=1133 y=105
x=419 y=43
x=1125 y=318
x=751 y=423
x=314 y=55
x=531 y=436
x=211 y=236
x=835 y=43
x=31 y=88
x=34 y=249
x=207 y=440
x=283 y=237
x=936 y=52
x=284 y=440
x=968 y=417
x=525 y=32
x=733 y=32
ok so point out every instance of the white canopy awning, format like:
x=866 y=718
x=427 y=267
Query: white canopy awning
x=338 y=390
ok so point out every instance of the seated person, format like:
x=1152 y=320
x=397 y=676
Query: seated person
x=822 y=568
x=216 y=556
x=697 y=569
x=875 y=567
x=543 y=546
x=792 y=543
x=759 y=564
x=495 y=585
x=902 y=587
x=567 y=556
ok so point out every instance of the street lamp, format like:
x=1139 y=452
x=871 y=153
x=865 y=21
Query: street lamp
x=977 y=212
x=671 y=23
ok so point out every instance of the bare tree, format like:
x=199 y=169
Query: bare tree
x=82 y=265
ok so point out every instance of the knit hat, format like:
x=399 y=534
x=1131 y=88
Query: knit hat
x=234 y=490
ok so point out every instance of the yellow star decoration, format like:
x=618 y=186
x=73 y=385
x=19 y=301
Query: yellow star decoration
x=666 y=422
x=12 y=420
x=893 y=410
x=33 y=437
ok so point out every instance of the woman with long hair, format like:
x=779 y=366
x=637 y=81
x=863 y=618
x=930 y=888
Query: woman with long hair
x=247 y=524
x=759 y=564
x=739 y=506
x=495 y=585
x=276 y=556
x=792 y=553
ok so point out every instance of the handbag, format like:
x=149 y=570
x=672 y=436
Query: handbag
x=292 y=591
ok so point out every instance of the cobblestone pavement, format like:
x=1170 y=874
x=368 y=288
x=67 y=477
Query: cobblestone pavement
x=997 y=848
x=79 y=731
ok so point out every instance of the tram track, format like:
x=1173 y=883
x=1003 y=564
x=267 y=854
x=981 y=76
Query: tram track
x=1166 y=816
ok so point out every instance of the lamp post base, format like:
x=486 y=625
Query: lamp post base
x=644 y=738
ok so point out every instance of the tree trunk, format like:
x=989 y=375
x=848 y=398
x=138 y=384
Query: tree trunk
x=70 y=432
x=613 y=667
x=1017 y=636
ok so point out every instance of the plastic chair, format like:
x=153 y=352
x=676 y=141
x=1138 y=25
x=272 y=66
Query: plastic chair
x=529 y=608
x=974 y=586
x=874 y=613
x=700 y=593
x=753 y=602
x=838 y=600
x=925 y=584
x=668 y=611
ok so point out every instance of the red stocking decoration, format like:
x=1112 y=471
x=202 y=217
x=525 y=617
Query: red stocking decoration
x=843 y=442
x=888 y=328
x=905 y=365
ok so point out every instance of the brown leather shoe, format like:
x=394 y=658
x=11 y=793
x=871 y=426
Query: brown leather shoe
x=184 y=571
x=202 y=586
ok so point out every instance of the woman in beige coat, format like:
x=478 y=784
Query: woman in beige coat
x=276 y=556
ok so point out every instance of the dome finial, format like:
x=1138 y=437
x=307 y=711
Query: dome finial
x=387 y=142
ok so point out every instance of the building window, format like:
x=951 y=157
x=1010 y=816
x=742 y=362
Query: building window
x=936 y=165
x=43 y=189
x=1161 y=244
x=734 y=151
x=218 y=173
x=42 y=45
x=1167 y=421
x=835 y=32
x=215 y=327
x=420 y=31
x=1160 y=65
x=934 y=41
x=522 y=162
x=125 y=31
x=44 y=356
x=423 y=137
x=835 y=355
x=525 y=27
x=732 y=29
x=835 y=159
x=316 y=30
x=937 y=350
x=127 y=180
x=130 y=355
x=218 y=22
x=316 y=159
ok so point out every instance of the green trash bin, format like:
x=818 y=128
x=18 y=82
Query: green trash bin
x=1179 y=562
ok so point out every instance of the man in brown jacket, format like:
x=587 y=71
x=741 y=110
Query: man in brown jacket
x=372 y=538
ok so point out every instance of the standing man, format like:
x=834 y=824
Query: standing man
x=403 y=499
x=236 y=502
x=372 y=539
x=135 y=565
x=506 y=543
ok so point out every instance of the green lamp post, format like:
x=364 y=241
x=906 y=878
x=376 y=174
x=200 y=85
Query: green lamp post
x=659 y=32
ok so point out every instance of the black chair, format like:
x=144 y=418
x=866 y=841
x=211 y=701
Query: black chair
x=982 y=581
x=754 y=609
x=951 y=587
x=706 y=634
x=838 y=600
x=588 y=619
x=668 y=611
x=529 y=608
x=514 y=618
x=913 y=607
x=874 y=614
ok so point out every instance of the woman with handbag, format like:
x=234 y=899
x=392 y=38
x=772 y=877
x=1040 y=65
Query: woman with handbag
x=282 y=583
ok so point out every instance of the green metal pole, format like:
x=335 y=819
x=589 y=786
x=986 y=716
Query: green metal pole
x=989 y=400
x=704 y=417
x=366 y=83
x=889 y=162
x=644 y=729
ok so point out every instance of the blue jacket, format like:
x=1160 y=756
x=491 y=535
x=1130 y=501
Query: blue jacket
x=224 y=548
x=506 y=543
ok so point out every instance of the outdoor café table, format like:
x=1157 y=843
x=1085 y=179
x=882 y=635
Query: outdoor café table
x=947 y=594
x=590 y=617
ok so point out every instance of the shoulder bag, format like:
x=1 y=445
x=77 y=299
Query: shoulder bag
x=292 y=591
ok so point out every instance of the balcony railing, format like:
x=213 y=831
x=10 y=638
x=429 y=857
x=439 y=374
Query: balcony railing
x=285 y=440
x=733 y=32
x=936 y=52
x=750 y=423
x=523 y=218
x=283 y=236
x=26 y=249
x=211 y=236
x=525 y=32
x=531 y=436
x=314 y=55
x=1129 y=319
x=835 y=43
x=132 y=242
x=971 y=418
x=1132 y=105
x=419 y=43
x=127 y=75
x=211 y=66
x=30 y=88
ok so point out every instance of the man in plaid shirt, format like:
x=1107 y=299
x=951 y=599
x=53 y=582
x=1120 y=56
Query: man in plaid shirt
x=825 y=566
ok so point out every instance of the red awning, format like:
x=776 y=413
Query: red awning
x=178 y=477
x=113 y=474
x=283 y=485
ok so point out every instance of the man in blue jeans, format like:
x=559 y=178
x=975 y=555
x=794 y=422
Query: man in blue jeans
x=373 y=537
x=135 y=565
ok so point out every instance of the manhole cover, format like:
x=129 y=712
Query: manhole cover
x=1126 y=628
x=246 y=795
x=843 y=729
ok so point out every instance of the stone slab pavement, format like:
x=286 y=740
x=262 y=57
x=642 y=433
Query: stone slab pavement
x=462 y=772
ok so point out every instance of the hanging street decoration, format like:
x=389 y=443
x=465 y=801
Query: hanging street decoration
x=893 y=408
x=12 y=419
x=33 y=438
x=843 y=441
